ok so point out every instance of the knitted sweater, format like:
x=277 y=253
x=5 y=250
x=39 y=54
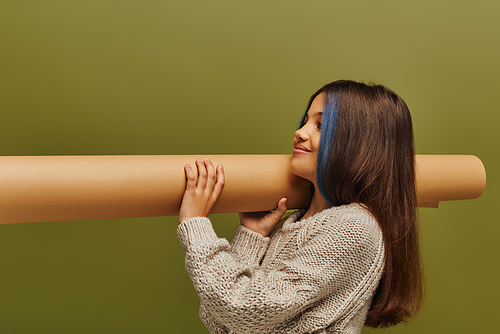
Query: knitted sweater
x=316 y=275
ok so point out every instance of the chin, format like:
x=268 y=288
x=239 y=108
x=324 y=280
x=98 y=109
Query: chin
x=298 y=169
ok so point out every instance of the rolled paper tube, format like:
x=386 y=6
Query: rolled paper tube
x=65 y=188
x=448 y=178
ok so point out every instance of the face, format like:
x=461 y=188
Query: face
x=306 y=142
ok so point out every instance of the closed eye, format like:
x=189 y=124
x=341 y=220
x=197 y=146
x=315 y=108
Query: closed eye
x=304 y=121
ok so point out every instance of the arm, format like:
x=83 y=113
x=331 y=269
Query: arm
x=248 y=246
x=250 y=240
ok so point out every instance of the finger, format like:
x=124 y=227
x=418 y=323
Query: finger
x=221 y=180
x=281 y=209
x=210 y=174
x=202 y=174
x=190 y=178
x=282 y=204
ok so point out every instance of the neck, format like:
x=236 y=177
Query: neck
x=318 y=204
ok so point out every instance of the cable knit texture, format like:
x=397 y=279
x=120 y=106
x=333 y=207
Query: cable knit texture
x=316 y=275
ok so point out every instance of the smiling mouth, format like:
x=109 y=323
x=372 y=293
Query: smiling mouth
x=300 y=151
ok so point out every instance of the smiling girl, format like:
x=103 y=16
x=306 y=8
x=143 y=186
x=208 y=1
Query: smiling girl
x=351 y=258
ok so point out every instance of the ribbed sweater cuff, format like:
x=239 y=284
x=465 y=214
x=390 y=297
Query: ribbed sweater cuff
x=195 y=231
x=249 y=245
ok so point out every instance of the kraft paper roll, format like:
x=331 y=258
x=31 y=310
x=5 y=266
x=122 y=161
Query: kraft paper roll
x=65 y=188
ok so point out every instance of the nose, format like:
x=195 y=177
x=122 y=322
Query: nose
x=301 y=134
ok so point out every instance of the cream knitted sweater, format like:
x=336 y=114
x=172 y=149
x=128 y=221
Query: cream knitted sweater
x=316 y=275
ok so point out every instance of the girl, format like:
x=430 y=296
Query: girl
x=351 y=258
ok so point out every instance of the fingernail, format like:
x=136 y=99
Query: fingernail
x=188 y=166
x=207 y=160
x=199 y=160
x=220 y=166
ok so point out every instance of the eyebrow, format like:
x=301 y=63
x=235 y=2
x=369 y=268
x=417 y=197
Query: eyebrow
x=316 y=113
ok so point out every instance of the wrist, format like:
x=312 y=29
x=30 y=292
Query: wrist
x=256 y=230
x=187 y=217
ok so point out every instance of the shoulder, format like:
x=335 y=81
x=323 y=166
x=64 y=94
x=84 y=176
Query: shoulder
x=350 y=226
x=349 y=215
x=345 y=229
x=354 y=217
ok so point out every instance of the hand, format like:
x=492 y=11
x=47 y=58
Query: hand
x=200 y=196
x=263 y=222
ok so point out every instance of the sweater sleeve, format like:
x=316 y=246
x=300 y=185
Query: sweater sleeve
x=248 y=246
x=245 y=298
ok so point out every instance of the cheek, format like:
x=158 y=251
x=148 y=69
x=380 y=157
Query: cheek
x=315 y=145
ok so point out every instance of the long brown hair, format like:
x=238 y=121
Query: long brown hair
x=371 y=161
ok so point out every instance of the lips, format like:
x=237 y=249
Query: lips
x=301 y=149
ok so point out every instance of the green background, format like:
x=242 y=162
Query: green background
x=223 y=77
